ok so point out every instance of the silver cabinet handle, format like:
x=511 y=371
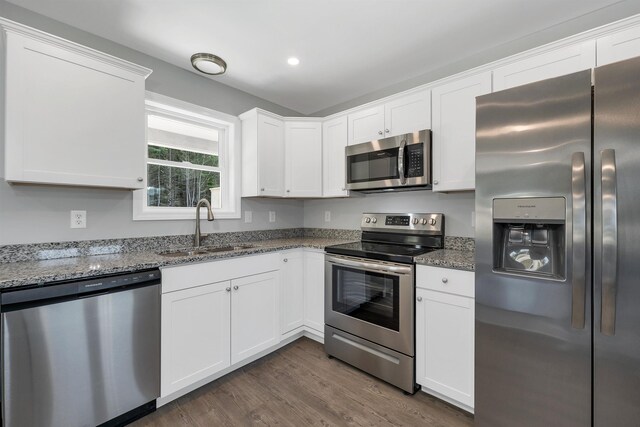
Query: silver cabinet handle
x=228 y=289
x=445 y=280
x=609 y=269
x=435 y=182
x=387 y=130
x=262 y=189
x=288 y=191
x=579 y=260
x=140 y=179
x=419 y=299
x=403 y=178
x=379 y=132
x=285 y=260
x=235 y=288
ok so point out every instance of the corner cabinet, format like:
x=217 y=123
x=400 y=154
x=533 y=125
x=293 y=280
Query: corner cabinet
x=334 y=142
x=454 y=132
x=73 y=116
x=445 y=334
x=292 y=290
x=407 y=113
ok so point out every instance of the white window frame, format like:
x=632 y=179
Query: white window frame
x=229 y=159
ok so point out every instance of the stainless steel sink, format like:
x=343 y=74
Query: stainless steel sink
x=205 y=250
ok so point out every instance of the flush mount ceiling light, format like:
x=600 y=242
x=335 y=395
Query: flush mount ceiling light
x=208 y=63
x=293 y=61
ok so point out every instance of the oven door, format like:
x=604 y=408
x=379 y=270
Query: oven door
x=372 y=300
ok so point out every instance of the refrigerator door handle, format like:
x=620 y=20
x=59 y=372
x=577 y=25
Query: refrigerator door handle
x=579 y=260
x=609 y=270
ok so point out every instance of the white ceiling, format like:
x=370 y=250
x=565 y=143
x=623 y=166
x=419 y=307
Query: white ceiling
x=347 y=48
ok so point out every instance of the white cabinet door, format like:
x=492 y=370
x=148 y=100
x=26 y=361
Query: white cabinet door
x=454 y=132
x=314 y=290
x=558 y=62
x=195 y=335
x=334 y=142
x=292 y=290
x=72 y=117
x=409 y=113
x=618 y=46
x=255 y=316
x=271 y=162
x=445 y=345
x=303 y=159
x=366 y=125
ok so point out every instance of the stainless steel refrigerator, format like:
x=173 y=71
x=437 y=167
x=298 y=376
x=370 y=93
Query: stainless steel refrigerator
x=558 y=251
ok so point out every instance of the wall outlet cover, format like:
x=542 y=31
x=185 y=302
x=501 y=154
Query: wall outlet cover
x=272 y=216
x=248 y=216
x=327 y=216
x=78 y=219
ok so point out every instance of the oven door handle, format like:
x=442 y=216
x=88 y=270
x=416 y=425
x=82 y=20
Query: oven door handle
x=394 y=269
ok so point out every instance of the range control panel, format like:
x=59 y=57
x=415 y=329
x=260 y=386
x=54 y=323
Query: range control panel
x=403 y=222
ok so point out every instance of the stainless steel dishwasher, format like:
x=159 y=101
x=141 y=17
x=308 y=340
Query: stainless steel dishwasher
x=82 y=353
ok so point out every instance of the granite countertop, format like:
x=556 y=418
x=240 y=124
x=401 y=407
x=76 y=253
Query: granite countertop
x=24 y=273
x=449 y=258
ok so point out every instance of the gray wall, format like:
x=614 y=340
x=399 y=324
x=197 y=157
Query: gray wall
x=31 y=214
x=346 y=213
x=605 y=15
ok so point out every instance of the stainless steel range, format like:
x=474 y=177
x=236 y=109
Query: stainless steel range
x=370 y=290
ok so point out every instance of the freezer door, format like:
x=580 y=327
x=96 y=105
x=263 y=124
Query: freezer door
x=617 y=244
x=533 y=332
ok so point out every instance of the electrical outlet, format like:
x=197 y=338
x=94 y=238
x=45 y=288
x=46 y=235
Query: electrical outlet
x=272 y=216
x=78 y=219
x=327 y=216
x=248 y=216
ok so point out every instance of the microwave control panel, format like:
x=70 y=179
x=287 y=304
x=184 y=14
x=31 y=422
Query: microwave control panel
x=415 y=160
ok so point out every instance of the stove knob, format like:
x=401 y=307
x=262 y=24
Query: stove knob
x=415 y=220
x=423 y=221
x=374 y=220
x=432 y=221
x=367 y=220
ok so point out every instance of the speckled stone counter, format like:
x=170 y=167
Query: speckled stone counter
x=33 y=272
x=449 y=258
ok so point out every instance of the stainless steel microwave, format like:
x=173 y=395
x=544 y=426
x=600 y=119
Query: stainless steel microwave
x=398 y=162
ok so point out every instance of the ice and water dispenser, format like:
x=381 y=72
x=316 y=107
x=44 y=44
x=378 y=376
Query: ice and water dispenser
x=529 y=236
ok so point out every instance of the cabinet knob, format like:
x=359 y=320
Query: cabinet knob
x=285 y=260
x=387 y=130
x=379 y=132
x=228 y=289
x=235 y=288
x=140 y=179
x=262 y=189
x=288 y=191
x=435 y=182
x=419 y=299
x=344 y=189
x=445 y=280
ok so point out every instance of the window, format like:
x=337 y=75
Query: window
x=190 y=155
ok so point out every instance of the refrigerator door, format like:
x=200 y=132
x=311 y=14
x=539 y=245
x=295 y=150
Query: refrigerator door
x=533 y=333
x=617 y=244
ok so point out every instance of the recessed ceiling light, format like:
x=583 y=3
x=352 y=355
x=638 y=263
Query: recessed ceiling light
x=208 y=63
x=293 y=61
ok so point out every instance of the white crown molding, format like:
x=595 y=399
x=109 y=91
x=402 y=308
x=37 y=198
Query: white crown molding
x=12 y=27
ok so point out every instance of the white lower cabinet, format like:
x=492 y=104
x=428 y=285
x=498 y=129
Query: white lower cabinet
x=445 y=328
x=255 y=318
x=292 y=290
x=314 y=290
x=216 y=314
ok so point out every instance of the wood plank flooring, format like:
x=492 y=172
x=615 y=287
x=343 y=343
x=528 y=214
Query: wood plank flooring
x=299 y=385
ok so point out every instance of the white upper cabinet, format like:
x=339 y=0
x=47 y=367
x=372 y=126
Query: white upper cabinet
x=262 y=154
x=334 y=142
x=546 y=65
x=407 y=113
x=74 y=116
x=366 y=124
x=303 y=153
x=454 y=132
x=619 y=46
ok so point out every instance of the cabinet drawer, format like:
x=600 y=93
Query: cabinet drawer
x=455 y=282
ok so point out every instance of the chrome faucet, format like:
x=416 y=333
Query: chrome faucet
x=199 y=236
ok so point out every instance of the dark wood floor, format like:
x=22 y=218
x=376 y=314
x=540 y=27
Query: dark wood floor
x=299 y=386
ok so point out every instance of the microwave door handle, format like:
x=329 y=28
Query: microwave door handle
x=403 y=178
